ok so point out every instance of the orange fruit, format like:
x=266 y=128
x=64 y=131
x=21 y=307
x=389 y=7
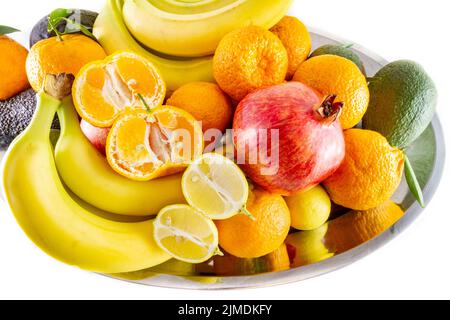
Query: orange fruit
x=52 y=56
x=331 y=74
x=248 y=59
x=143 y=146
x=104 y=89
x=370 y=174
x=297 y=41
x=206 y=102
x=247 y=238
x=13 y=77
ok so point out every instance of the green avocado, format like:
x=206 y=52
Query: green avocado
x=342 y=51
x=40 y=32
x=403 y=101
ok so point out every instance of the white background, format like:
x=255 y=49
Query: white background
x=415 y=265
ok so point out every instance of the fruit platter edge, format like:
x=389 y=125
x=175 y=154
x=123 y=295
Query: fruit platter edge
x=427 y=155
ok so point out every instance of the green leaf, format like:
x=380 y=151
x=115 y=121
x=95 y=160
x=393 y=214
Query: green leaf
x=55 y=18
x=422 y=155
x=87 y=32
x=75 y=27
x=7 y=30
x=71 y=26
x=413 y=183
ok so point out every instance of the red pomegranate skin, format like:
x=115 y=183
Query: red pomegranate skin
x=310 y=148
x=97 y=136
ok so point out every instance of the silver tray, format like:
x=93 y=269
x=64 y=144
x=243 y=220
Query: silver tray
x=427 y=155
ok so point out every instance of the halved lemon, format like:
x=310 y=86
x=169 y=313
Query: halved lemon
x=216 y=186
x=186 y=234
x=104 y=89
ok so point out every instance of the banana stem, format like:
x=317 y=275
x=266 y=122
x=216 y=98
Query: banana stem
x=43 y=117
x=68 y=117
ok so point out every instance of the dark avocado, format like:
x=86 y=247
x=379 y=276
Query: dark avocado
x=39 y=32
x=15 y=115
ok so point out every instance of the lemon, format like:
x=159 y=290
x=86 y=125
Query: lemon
x=186 y=234
x=309 y=209
x=216 y=186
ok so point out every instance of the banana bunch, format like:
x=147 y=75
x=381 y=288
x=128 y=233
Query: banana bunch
x=177 y=35
x=67 y=198
x=88 y=175
x=58 y=224
x=195 y=28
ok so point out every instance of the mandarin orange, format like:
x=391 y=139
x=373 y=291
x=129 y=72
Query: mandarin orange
x=247 y=238
x=331 y=74
x=206 y=102
x=370 y=174
x=248 y=59
x=53 y=56
x=297 y=41
x=13 y=77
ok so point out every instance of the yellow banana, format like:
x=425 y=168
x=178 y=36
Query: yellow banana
x=194 y=28
x=88 y=175
x=113 y=35
x=55 y=222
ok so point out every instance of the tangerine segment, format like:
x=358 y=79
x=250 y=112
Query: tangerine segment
x=103 y=90
x=143 y=146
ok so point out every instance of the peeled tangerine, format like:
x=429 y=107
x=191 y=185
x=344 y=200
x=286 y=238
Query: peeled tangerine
x=104 y=89
x=144 y=145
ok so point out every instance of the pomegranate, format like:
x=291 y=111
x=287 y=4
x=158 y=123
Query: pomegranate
x=97 y=136
x=288 y=138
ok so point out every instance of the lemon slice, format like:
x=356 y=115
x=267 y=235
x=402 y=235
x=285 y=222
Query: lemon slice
x=186 y=234
x=216 y=186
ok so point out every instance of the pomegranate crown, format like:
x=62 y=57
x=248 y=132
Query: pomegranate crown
x=330 y=111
